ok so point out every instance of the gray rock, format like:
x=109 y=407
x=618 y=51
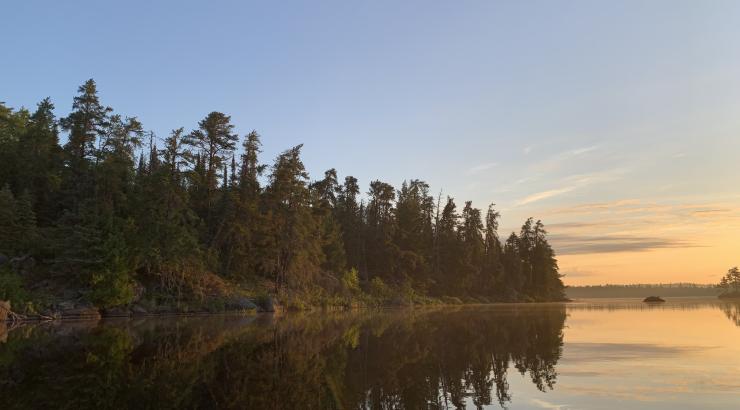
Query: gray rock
x=48 y=313
x=23 y=265
x=70 y=294
x=81 y=312
x=138 y=310
x=240 y=303
x=66 y=305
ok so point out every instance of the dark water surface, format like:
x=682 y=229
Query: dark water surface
x=605 y=354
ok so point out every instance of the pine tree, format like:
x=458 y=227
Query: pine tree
x=381 y=252
x=473 y=246
x=295 y=254
x=213 y=141
x=324 y=202
x=85 y=125
x=492 y=268
x=350 y=217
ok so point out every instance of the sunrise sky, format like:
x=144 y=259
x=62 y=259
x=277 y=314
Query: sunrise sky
x=616 y=123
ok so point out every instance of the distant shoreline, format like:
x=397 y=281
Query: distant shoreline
x=642 y=290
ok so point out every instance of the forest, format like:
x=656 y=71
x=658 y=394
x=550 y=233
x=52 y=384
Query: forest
x=93 y=207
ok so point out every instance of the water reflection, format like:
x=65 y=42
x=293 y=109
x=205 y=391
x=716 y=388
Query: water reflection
x=429 y=359
x=732 y=311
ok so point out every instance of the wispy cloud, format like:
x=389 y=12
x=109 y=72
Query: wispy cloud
x=539 y=196
x=571 y=184
x=580 y=244
x=547 y=405
x=481 y=167
x=579 y=151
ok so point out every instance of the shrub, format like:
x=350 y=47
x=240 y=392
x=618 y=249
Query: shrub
x=11 y=288
x=351 y=280
x=111 y=289
x=379 y=289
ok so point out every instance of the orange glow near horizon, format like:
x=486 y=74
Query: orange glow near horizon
x=628 y=242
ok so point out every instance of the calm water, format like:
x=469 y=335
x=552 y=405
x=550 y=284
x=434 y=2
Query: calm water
x=615 y=354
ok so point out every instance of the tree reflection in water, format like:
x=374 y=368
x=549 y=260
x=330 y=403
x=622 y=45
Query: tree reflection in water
x=732 y=311
x=404 y=359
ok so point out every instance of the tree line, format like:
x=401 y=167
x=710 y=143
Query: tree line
x=115 y=206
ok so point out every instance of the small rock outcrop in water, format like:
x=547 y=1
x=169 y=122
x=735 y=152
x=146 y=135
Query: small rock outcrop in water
x=654 y=299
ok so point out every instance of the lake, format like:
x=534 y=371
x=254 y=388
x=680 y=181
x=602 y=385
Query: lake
x=590 y=354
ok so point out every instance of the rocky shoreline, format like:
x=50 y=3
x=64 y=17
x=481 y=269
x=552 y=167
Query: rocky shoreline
x=81 y=310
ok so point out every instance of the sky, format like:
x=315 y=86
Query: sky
x=616 y=123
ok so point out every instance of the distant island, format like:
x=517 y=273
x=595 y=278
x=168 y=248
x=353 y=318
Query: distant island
x=118 y=220
x=642 y=290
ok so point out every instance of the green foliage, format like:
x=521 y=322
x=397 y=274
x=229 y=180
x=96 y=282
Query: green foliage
x=11 y=288
x=111 y=289
x=379 y=289
x=351 y=280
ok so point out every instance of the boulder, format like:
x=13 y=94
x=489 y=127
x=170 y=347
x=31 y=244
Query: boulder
x=654 y=299
x=240 y=303
x=23 y=265
x=118 y=311
x=51 y=314
x=138 y=310
x=66 y=305
x=80 y=311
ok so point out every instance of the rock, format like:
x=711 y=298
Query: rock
x=81 y=311
x=267 y=304
x=653 y=299
x=165 y=309
x=240 y=303
x=23 y=265
x=138 y=310
x=4 y=310
x=70 y=294
x=48 y=313
x=118 y=311
x=3 y=259
x=66 y=305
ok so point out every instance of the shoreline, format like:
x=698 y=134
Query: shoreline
x=98 y=314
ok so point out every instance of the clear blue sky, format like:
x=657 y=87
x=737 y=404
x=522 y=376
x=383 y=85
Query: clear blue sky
x=544 y=107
